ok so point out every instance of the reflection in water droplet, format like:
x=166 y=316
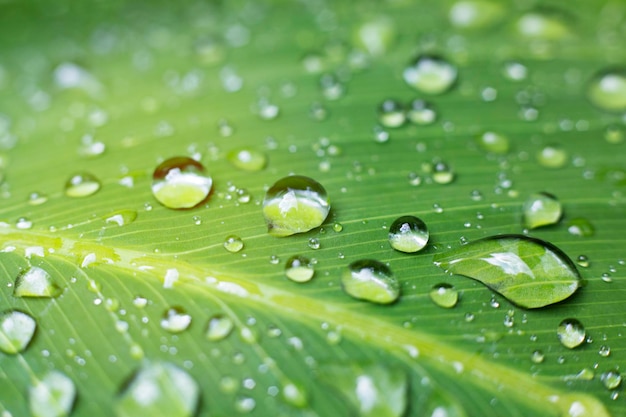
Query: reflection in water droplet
x=82 y=185
x=247 y=159
x=582 y=261
x=16 y=331
x=121 y=217
x=52 y=396
x=442 y=173
x=180 y=182
x=314 y=243
x=36 y=199
x=245 y=404
x=537 y=356
x=571 y=333
x=493 y=143
x=541 y=209
x=295 y=204
x=611 y=379
x=515 y=71
x=370 y=280
x=444 y=295
x=580 y=227
x=375 y=36
x=552 y=157
x=607 y=90
x=391 y=113
x=233 y=244
x=299 y=269
x=408 y=234
x=219 y=327
x=546 y=26
x=604 y=351
x=475 y=14
x=175 y=320
x=430 y=74
x=23 y=223
x=35 y=282
x=421 y=113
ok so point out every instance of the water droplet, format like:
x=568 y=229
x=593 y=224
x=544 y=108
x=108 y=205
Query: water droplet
x=537 y=356
x=604 y=351
x=245 y=404
x=314 y=243
x=370 y=280
x=35 y=282
x=469 y=317
x=607 y=90
x=337 y=227
x=580 y=227
x=408 y=234
x=295 y=395
x=90 y=148
x=421 y=113
x=121 y=217
x=247 y=159
x=614 y=134
x=82 y=185
x=317 y=111
x=267 y=110
x=381 y=135
x=180 y=182
x=493 y=142
x=442 y=173
x=552 y=157
x=571 y=333
x=375 y=36
x=16 y=331
x=430 y=74
x=159 y=388
x=541 y=209
x=583 y=261
x=475 y=14
x=299 y=269
x=548 y=26
x=295 y=204
x=52 y=396
x=219 y=327
x=140 y=302
x=23 y=223
x=233 y=244
x=391 y=113
x=514 y=71
x=36 y=199
x=529 y=272
x=332 y=88
x=444 y=295
x=611 y=379
x=175 y=320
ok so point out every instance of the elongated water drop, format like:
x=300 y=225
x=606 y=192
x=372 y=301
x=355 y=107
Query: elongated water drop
x=295 y=204
x=299 y=269
x=35 y=282
x=430 y=74
x=408 y=234
x=370 y=280
x=159 y=389
x=82 y=185
x=607 y=90
x=571 y=333
x=180 y=182
x=247 y=159
x=219 y=327
x=529 y=272
x=16 y=331
x=52 y=396
x=541 y=209
x=175 y=320
x=444 y=295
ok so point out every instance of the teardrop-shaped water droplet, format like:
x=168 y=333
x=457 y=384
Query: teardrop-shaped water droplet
x=370 y=280
x=571 y=333
x=52 y=396
x=247 y=159
x=430 y=74
x=233 y=244
x=391 y=113
x=159 y=389
x=295 y=204
x=299 y=269
x=444 y=295
x=611 y=379
x=493 y=142
x=16 y=331
x=541 y=209
x=82 y=185
x=35 y=282
x=175 y=320
x=180 y=182
x=219 y=327
x=408 y=234
x=580 y=227
x=607 y=90
x=421 y=113
x=529 y=272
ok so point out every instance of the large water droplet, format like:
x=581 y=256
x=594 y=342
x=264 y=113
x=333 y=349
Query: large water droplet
x=421 y=113
x=180 y=182
x=528 y=272
x=370 y=280
x=444 y=295
x=82 y=185
x=430 y=74
x=159 y=389
x=175 y=320
x=494 y=143
x=35 y=282
x=391 y=113
x=247 y=159
x=607 y=90
x=299 y=269
x=52 y=396
x=219 y=327
x=295 y=204
x=541 y=209
x=233 y=244
x=408 y=234
x=571 y=333
x=16 y=331
x=611 y=379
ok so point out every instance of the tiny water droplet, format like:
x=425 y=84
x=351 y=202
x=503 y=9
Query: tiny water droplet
x=295 y=204
x=469 y=317
x=82 y=185
x=299 y=269
x=219 y=327
x=35 y=282
x=493 y=142
x=314 y=243
x=375 y=36
x=140 y=302
x=430 y=74
x=408 y=234
x=607 y=90
x=370 y=280
x=611 y=379
x=175 y=320
x=421 y=113
x=537 y=356
x=16 y=331
x=247 y=159
x=543 y=26
x=180 y=182
x=52 y=396
x=571 y=333
x=233 y=244
x=541 y=209
x=444 y=295
x=552 y=156
x=337 y=227
x=317 y=111
x=580 y=227
x=23 y=223
x=391 y=113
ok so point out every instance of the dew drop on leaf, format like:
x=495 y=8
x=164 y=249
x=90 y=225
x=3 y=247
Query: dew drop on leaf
x=299 y=269
x=607 y=90
x=421 y=113
x=571 y=333
x=247 y=159
x=541 y=209
x=233 y=244
x=442 y=173
x=245 y=404
x=52 y=396
x=430 y=74
x=314 y=243
x=408 y=234
x=580 y=227
x=294 y=395
x=370 y=280
x=219 y=327
x=295 y=204
x=552 y=156
x=180 y=182
x=121 y=217
x=391 y=113
x=16 y=331
x=332 y=87
x=493 y=142
x=611 y=379
x=82 y=185
x=475 y=14
x=35 y=282
x=375 y=36
x=444 y=295
x=528 y=272
x=537 y=356
x=583 y=261
x=514 y=71
x=614 y=134
x=175 y=320
x=604 y=351
x=36 y=199
x=544 y=26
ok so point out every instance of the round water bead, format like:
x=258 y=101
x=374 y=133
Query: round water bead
x=607 y=90
x=391 y=113
x=552 y=156
x=408 y=234
x=219 y=327
x=614 y=134
x=514 y=71
x=442 y=173
x=582 y=261
x=52 y=396
x=233 y=244
x=83 y=184
x=247 y=159
x=35 y=282
x=493 y=142
x=430 y=74
x=444 y=295
x=180 y=182
x=299 y=269
x=537 y=356
x=611 y=379
x=580 y=227
x=571 y=333
x=295 y=204
x=175 y=320
x=421 y=113
x=370 y=280
x=541 y=209
x=16 y=331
